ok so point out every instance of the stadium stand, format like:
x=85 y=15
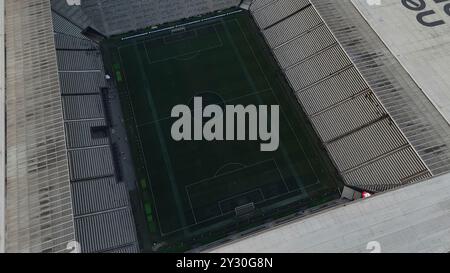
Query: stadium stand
x=407 y=104
x=73 y=13
x=81 y=83
x=366 y=145
x=79 y=134
x=91 y=163
x=82 y=107
x=106 y=231
x=116 y=17
x=102 y=212
x=279 y=11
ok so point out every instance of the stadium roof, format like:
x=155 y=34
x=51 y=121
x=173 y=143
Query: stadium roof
x=39 y=209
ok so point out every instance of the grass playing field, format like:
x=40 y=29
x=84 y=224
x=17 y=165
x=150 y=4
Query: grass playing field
x=190 y=190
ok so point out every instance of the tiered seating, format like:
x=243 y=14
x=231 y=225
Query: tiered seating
x=365 y=145
x=389 y=171
x=91 y=196
x=317 y=67
x=69 y=60
x=106 y=230
x=62 y=26
x=292 y=27
x=318 y=97
x=73 y=83
x=118 y=16
x=303 y=46
x=347 y=117
x=408 y=105
x=82 y=107
x=260 y=4
x=277 y=10
x=79 y=134
x=91 y=163
x=101 y=206
x=124 y=250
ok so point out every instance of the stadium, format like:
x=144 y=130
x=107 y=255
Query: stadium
x=89 y=163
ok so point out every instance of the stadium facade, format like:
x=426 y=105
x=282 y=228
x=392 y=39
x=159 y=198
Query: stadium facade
x=375 y=95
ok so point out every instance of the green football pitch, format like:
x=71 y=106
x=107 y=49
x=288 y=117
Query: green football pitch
x=196 y=191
